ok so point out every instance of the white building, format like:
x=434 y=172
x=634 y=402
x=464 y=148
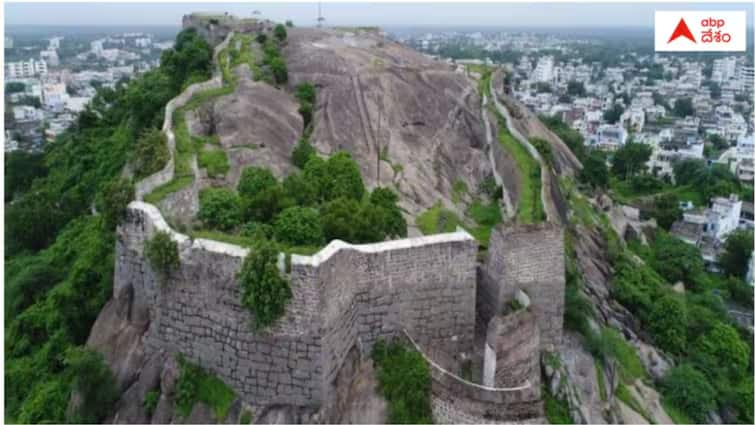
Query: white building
x=8 y=42
x=25 y=69
x=50 y=56
x=544 y=70
x=722 y=217
x=610 y=137
x=54 y=96
x=724 y=69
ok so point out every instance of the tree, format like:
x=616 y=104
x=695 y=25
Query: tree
x=219 y=208
x=290 y=23
x=162 y=252
x=393 y=223
x=666 y=210
x=689 y=171
x=718 y=142
x=689 y=390
x=737 y=251
x=667 y=321
x=14 y=87
x=341 y=220
x=630 y=159
x=683 y=107
x=116 y=197
x=264 y=291
x=298 y=226
x=150 y=153
x=594 y=171
x=261 y=194
x=21 y=168
x=676 y=260
x=575 y=88
x=613 y=114
x=721 y=349
x=279 y=70
x=303 y=151
x=94 y=383
x=299 y=189
x=345 y=177
x=280 y=32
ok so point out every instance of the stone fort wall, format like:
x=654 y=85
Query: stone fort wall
x=345 y=296
x=530 y=258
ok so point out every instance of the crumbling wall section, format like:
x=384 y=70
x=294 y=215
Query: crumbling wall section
x=530 y=258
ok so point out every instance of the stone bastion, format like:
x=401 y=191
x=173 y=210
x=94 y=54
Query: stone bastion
x=345 y=297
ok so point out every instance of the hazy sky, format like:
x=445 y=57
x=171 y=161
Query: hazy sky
x=512 y=14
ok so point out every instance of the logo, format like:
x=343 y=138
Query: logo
x=700 y=31
x=682 y=30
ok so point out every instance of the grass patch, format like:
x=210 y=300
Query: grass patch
x=623 y=394
x=601 y=381
x=246 y=418
x=556 y=411
x=625 y=354
x=172 y=186
x=486 y=216
x=437 y=220
x=530 y=208
x=458 y=189
x=194 y=385
x=215 y=161
x=675 y=414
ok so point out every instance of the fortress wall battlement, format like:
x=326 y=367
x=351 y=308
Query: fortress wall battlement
x=345 y=296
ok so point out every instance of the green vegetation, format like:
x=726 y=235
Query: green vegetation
x=600 y=376
x=162 y=252
x=404 y=381
x=736 y=253
x=265 y=293
x=437 y=220
x=113 y=200
x=544 y=148
x=246 y=417
x=458 y=189
x=688 y=390
x=150 y=401
x=530 y=207
x=299 y=226
x=59 y=257
x=219 y=208
x=556 y=411
x=215 y=161
x=194 y=384
x=676 y=415
x=150 y=154
x=623 y=394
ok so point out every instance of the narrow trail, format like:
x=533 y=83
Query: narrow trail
x=509 y=210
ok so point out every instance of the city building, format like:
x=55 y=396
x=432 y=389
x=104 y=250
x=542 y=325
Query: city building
x=25 y=69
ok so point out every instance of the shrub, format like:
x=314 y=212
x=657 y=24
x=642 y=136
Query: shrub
x=544 y=148
x=219 y=208
x=688 y=390
x=150 y=153
x=264 y=292
x=115 y=198
x=280 y=32
x=150 y=401
x=737 y=252
x=393 y=223
x=404 y=380
x=94 y=382
x=299 y=189
x=305 y=92
x=261 y=194
x=195 y=384
x=676 y=260
x=721 y=349
x=299 y=226
x=667 y=321
x=279 y=69
x=261 y=38
x=345 y=177
x=340 y=219
x=594 y=170
x=215 y=161
x=162 y=253
x=302 y=153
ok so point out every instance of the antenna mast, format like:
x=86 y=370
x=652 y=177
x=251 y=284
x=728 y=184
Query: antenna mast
x=320 y=18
